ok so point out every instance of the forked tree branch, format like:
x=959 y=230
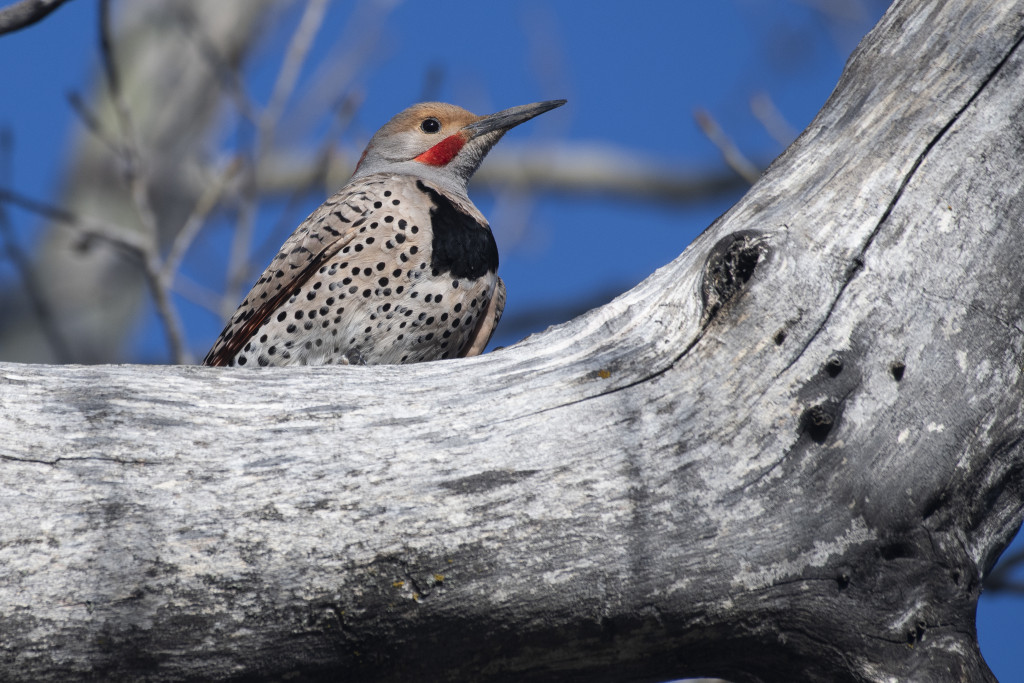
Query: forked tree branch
x=793 y=453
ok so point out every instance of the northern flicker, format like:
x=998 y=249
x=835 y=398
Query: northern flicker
x=398 y=267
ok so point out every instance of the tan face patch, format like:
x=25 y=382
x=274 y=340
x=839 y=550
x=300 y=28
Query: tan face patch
x=450 y=117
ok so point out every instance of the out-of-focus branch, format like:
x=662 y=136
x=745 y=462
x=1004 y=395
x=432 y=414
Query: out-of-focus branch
x=175 y=105
x=144 y=247
x=204 y=205
x=562 y=168
x=764 y=110
x=22 y=262
x=227 y=75
x=127 y=240
x=23 y=265
x=295 y=57
x=137 y=178
x=330 y=87
x=25 y=13
x=1002 y=579
x=730 y=152
x=284 y=84
x=526 y=320
x=91 y=122
x=596 y=169
x=198 y=294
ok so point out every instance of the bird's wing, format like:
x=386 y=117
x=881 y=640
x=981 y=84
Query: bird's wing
x=488 y=322
x=322 y=235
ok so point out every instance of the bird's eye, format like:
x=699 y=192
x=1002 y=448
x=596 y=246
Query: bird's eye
x=430 y=125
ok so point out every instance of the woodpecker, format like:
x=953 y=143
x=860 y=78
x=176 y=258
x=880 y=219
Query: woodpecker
x=398 y=267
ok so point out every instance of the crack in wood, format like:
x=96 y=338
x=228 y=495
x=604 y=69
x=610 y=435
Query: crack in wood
x=59 y=460
x=859 y=259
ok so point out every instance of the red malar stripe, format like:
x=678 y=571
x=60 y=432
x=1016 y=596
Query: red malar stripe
x=443 y=152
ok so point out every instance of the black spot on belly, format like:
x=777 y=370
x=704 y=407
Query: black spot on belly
x=461 y=245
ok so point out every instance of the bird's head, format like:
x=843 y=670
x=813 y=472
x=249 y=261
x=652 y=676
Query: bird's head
x=441 y=142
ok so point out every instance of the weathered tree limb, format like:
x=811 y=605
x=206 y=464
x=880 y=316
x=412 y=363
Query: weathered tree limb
x=791 y=454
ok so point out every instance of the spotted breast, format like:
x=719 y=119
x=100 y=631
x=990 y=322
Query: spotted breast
x=384 y=272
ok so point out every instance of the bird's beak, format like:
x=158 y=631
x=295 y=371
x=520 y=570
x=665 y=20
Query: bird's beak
x=509 y=118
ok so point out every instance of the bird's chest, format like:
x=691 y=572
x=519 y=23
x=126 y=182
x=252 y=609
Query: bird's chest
x=410 y=285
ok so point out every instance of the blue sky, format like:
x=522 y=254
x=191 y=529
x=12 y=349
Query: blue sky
x=633 y=74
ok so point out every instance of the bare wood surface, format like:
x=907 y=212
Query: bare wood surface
x=791 y=454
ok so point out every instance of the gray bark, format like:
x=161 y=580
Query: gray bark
x=791 y=454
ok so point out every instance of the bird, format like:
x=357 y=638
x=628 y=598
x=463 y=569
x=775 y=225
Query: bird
x=399 y=266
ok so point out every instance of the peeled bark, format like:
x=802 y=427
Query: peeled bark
x=791 y=454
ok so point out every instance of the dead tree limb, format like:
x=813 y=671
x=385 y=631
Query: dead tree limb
x=791 y=454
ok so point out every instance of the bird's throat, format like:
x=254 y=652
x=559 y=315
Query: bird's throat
x=444 y=151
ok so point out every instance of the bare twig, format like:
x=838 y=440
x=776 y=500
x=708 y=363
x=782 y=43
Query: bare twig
x=513 y=209
x=37 y=302
x=6 y=154
x=351 y=52
x=91 y=122
x=588 y=170
x=165 y=309
x=127 y=240
x=548 y=60
x=345 y=112
x=204 y=205
x=843 y=11
x=433 y=79
x=197 y=293
x=730 y=152
x=107 y=50
x=131 y=149
x=1002 y=579
x=25 y=13
x=845 y=20
x=23 y=264
x=765 y=111
x=284 y=85
x=136 y=178
x=226 y=74
x=324 y=166
x=238 y=256
x=295 y=57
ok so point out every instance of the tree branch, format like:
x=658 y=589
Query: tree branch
x=736 y=160
x=583 y=170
